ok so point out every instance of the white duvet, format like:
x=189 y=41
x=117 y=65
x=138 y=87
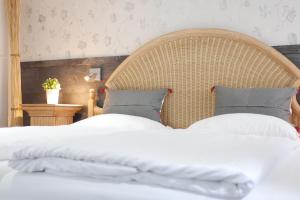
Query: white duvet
x=212 y=162
x=15 y=138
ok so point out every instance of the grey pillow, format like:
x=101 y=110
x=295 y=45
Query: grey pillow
x=146 y=104
x=268 y=101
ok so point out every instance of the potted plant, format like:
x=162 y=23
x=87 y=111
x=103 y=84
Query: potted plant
x=52 y=88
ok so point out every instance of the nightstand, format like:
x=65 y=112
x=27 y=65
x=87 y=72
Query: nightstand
x=51 y=114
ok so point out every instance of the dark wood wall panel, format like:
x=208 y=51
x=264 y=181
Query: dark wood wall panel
x=292 y=52
x=70 y=73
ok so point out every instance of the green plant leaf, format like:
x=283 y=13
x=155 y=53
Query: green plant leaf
x=51 y=83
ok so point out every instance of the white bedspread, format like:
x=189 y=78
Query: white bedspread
x=14 y=138
x=4 y=169
x=283 y=183
x=43 y=186
x=212 y=164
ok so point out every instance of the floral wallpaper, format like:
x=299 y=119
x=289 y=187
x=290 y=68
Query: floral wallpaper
x=57 y=29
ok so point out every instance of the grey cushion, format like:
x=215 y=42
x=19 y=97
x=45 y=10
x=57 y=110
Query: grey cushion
x=146 y=104
x=268 y=101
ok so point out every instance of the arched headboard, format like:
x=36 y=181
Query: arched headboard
x=190 y=62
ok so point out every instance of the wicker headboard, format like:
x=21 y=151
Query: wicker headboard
x=190 y=62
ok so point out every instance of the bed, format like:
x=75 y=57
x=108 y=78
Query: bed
x=189 y=63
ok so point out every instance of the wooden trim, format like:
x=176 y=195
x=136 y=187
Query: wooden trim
x=15 y=113
x=91 y=102
x=93 y=109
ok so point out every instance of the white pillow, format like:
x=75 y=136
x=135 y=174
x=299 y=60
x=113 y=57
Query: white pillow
x=247 y=124
x=120 y=122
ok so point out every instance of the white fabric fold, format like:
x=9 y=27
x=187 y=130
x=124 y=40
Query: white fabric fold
x=14 y=138
x=212 y=164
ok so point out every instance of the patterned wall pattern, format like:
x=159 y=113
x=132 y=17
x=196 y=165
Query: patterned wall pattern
x=60 y=29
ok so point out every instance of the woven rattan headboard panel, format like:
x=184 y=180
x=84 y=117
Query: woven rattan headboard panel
x=192 y=61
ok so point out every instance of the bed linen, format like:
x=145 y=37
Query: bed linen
x=212 y=164
x=37 y=186
x=4 y=169
x=283 y=183
x=248 y=124
x=15 y=138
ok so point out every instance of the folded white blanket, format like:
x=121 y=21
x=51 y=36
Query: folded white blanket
x=212 y=164
x=15 y=138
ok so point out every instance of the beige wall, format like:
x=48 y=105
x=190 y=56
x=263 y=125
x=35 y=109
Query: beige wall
x=54 y=29
x=3 y=65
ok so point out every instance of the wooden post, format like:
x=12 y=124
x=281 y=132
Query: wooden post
x=91 y=102
x=15 y=113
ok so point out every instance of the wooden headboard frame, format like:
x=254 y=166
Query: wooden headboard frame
x=190 y=62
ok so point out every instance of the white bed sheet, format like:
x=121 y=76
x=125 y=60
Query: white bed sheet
x=282 y=183
x=4 y=169
x=13 y=138
x=37 y=186
x=211 y=164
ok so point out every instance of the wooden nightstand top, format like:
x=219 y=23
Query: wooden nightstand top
x=51 y=109
x=51 y=114
x=52 y=105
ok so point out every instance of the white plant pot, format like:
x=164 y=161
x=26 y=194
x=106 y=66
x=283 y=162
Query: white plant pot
x=52 y=96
